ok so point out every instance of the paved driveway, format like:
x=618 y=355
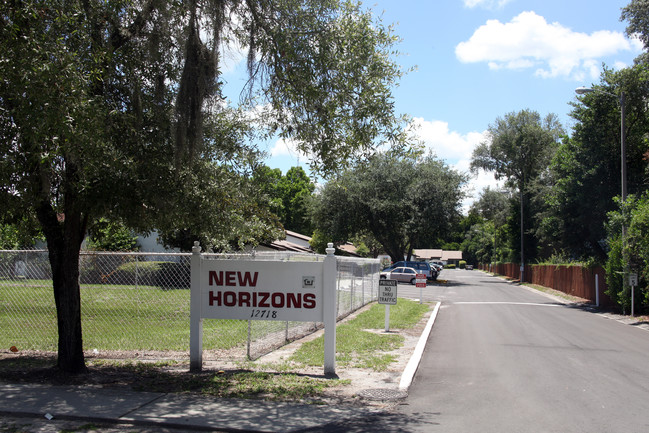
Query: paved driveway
x=502 y=358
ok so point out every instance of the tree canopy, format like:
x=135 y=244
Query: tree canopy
x=289 y=195
x=404 y=203
x=519 y=148
x=586 y=167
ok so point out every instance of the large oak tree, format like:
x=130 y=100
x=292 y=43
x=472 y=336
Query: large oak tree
x=404 y=203
x=114 y=109
x=518 y=149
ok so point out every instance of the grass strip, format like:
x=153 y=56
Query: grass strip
x=357 y=346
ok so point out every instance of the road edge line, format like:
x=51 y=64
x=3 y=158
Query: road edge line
x=409 y=373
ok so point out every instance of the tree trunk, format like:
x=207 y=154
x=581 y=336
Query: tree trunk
x=64 y=260
x=64 y=236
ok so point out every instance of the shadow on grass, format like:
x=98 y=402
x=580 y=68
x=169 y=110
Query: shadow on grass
x=172 y=377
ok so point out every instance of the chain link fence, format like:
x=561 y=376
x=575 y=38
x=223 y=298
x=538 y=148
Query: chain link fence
x=137 y=305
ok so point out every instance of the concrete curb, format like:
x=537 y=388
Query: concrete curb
x=409 y=372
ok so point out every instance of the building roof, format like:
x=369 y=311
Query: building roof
x=434 y=254
x=451 y=255
x=349 y=249
x=288 y=246
x=437 y=254
x=298 y=235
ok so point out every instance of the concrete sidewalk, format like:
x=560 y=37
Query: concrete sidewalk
x=168 y=410
x=185 y=411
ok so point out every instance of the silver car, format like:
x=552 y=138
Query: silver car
x=401 y=274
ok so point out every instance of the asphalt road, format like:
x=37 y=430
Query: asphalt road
x=502 y=358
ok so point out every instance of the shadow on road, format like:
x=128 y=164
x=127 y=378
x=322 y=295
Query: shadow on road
x=382 y=422
x=449 y=283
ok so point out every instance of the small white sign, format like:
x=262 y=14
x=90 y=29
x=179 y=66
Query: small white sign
x=388 y=292
x=633 y=280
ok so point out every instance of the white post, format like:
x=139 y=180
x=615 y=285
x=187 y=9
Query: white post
x=387 y=317
x=195 y=320
x=597 y=290
x=421 y=295
x=329 y=310
x=632 y=300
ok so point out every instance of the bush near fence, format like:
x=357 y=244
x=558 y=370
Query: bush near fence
x=572 y=280
x=139 y=302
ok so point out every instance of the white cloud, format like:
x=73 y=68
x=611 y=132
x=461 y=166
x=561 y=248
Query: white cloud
x=283 y=147
x=487 y=4
x=529 y=41
x=232 y=55
x=448 y=145
x=456 y=150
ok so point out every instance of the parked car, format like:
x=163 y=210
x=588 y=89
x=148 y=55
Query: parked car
x=469 y=267
x=422 y=267
x=401 y=274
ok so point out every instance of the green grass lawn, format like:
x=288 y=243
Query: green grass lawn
x=149 y=318
x=113 y=318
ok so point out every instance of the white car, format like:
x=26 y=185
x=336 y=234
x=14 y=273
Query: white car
x=402 y=274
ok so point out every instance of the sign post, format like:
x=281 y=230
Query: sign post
x=387 y=296
x=421 y=283
x=633 y=281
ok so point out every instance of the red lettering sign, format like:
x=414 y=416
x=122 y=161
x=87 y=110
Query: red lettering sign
x=261 y=299
x=230 y=278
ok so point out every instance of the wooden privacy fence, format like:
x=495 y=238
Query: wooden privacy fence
x=572 y=280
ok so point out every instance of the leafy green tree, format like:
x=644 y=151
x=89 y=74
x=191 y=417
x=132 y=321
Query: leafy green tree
x=636 y=13
x=289 y=196
x=633 y=250
x=492 y=205
x=519 y=149
x=22 y=233
x=586 y=167
x=111 y=108
x=268 y=180
x=319 y=242
x=390 y=198
x=296 y=189
x=478 y=244
x=9 y=237
x=366 y=245
x=108 y=235
x=486 y=224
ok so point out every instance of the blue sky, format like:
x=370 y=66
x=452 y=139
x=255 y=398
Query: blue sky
x=481 y=59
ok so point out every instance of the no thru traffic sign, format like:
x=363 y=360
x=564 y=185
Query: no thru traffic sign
x=388 y=292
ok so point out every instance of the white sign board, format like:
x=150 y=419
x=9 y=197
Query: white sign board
x=387 y=292
x=633 y=280
x=261 y=290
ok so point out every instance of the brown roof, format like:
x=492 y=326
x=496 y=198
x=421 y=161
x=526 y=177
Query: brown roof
x=428 y=254
x=349 y=248
x=288 y=246
x=298 y=235
x=451 y=255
